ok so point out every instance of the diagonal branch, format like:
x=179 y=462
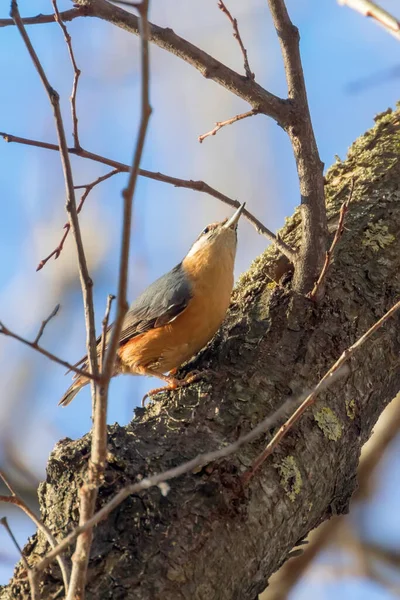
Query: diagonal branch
x=377 y=13
x=17 y=501
x=88 y=188
x=33 y=583
x=196 y=185
x=315 y=293
x=44 y=323
x=237 y=36
x=309 y=401
x=221 y=124
x=5 y=331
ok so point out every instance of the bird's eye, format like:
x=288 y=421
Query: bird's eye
x=206 y=230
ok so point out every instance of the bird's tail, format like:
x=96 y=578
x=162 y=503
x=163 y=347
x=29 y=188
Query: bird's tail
x=72 y=391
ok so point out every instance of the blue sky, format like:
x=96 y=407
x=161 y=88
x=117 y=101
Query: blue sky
x=251 y=160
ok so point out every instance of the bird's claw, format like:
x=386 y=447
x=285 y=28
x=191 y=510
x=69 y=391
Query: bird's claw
x=176 y=383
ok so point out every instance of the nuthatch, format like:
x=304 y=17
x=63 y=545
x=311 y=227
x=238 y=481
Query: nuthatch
x=177 y=314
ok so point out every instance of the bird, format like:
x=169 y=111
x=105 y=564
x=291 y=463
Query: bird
x=178 y=314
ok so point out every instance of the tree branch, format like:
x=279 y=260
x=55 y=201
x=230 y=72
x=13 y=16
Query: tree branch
x=66 y=15
x=317 y=291
x=44 y=323
x=310 y=400
x=88 y=188
x=33 y=583
x=17 y=501
x=309 y=165
x=221 y=124
x=197 y=186
x=5 y=331
x=377 y=13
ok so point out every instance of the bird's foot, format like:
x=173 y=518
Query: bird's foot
x=173 y=383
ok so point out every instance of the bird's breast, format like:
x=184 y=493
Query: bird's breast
x=167 y=347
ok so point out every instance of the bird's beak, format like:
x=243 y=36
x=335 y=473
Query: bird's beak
x=232 y=222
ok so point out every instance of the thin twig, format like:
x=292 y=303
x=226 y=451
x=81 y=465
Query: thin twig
x=44 y=323
x=110 y=298
x=308 y=162
x=187 y=467
x=77 y=73
x=5 y=331
x=309 y=401
x=66 y=15
x=33 y=583
x=198 y=186
x=316 y=291
x=67 y=228
x=86 y=281
x=89 y=491
x=221 y=124
x=378 y=14
x=236 y=35
x=17 y=501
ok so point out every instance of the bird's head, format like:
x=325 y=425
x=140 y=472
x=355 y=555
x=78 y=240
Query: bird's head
x=218 y=239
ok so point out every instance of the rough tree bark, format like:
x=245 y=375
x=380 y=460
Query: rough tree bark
x=209 y=537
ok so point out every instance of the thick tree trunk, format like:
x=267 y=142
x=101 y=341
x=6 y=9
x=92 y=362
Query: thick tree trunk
x=209 y=537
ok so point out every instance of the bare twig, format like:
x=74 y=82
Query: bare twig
x=309 y=401
x=236 y=35
x=17 y=501
x=77 y=73
x=44 y=323
x=66 y=15
x=110 y=298
x=221 y=124
x=88 y=188
x=89 y=491
x=33 y=583
x=309 y=165
x=187 y=467
x=315 y=293
x=86 y=281
x=5 y=331
x=378 y=14
x=198 y=186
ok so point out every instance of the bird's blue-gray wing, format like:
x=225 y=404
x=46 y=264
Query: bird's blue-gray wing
x=158 y=305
